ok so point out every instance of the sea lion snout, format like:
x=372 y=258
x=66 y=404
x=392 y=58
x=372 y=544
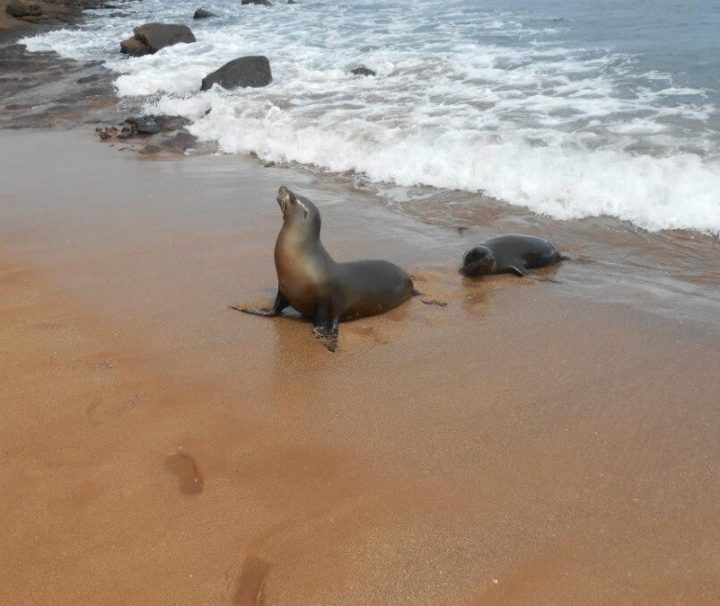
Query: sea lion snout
x=477 y=261
x=284 y=197
x=294 y=208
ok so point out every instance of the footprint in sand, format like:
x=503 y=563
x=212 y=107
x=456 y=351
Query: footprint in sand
x=250 y=585
x=99 y=411
x=185 y=468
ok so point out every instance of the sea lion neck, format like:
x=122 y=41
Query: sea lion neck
x=302 y=229
x=300 y=237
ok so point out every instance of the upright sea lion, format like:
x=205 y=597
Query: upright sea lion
x=318 y=287
x=515 y=254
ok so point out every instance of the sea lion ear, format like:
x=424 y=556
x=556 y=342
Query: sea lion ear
x=304 y=208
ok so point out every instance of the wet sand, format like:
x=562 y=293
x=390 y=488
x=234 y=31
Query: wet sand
x=532 y=442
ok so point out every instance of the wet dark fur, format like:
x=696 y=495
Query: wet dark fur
x=515 y=254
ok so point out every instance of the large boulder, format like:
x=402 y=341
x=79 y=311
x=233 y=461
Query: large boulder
x=261 y=2
x=245 y=71
x=160 y=35
x=18 y=9
x=151 y=37
x=201 y=13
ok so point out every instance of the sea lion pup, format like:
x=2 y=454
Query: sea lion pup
x=318 y=287
x=515 y=254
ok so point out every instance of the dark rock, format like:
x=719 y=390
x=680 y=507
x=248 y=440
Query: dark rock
x=86 y=79
x=261 y=2
x=292 y=2
x=134 y=48
x=125 y=132
x=245 y=71
x=153 y=124
x=201 y=13
x=18 y=9
x=160 y=35
x=362 y=71
x=146 y=125
x=151 y=37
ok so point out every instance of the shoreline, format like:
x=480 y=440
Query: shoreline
x=44 y=90
x=680 y=200
x=532 y=441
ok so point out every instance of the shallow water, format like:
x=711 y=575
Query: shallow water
x=571 y=109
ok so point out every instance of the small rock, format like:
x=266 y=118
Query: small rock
x=134 y=48
x=125 y=132
x=147 y=127
x=86 y=79
x=363 y=71
x=261 y=2
x=201 y=13
x=244 y=71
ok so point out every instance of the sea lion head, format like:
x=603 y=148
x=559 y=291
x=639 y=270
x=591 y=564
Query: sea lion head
x=299 y=212
x=478 y=261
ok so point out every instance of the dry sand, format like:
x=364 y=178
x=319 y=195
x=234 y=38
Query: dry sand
x=523 y=445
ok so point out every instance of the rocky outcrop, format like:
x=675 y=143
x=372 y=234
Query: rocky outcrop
x=245 y=71
x=151 y=37
x=201 y=13
x=143 y=125
x=150 y=134
x=153 y=124
x=20 y=10
x=261 y=2
x=362 y=71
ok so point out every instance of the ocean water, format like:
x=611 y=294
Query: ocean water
x=571 y=108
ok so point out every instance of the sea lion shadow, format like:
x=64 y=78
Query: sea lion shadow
x=354 y=333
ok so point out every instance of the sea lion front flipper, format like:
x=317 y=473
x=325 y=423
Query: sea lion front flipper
x=281 y=303
x=519 y=270
x=329 y=338
x=326 y=325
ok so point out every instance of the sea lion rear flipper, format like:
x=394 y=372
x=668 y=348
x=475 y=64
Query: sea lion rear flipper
x=281 y=303
x=326 y=324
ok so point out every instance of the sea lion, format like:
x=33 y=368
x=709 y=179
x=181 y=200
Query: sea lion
x=321 y=289
x=515 y=254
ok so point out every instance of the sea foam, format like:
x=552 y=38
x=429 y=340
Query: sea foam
x=465 y=98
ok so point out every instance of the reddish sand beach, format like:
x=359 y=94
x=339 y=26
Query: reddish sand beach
x=526 y=444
